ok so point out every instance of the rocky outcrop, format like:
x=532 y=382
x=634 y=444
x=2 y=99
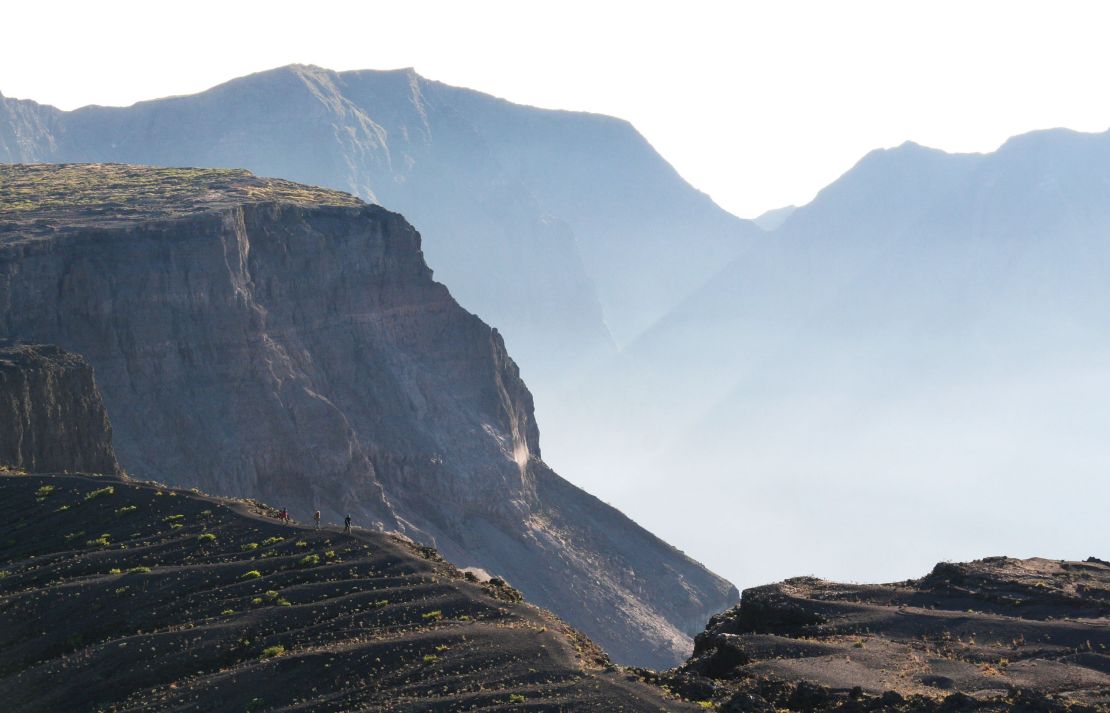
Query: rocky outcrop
x=997 y=634
x=258 y=338
x=51 y=416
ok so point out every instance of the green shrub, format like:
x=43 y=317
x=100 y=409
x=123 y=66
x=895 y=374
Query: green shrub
x=272 y=541
x=139 y=570
x=301 y=543
x=46 y=490
x=436 y=615
x=115 y=570
x=206 y=537
x=430 y=658
x=227 y=612
x=309 y=560
x=250 y=546
x=4 y=573
x=271 y=651
x=516 y=698
x=62 y=508
x=176 y=526
x=102 y=541
x=126 y=510
x=251 y=574
x=100 y=492
x=173 y=518
x=256 y=601
x=330 y=554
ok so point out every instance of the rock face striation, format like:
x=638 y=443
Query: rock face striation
x=997 y=634
x=254 y=337
x=51 y=416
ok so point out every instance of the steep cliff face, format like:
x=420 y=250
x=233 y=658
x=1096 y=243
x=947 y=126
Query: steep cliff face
x=51 y=416
x=254 y=337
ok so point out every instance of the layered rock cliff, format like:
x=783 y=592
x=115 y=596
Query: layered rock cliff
x=257 y=337
x=51 y=416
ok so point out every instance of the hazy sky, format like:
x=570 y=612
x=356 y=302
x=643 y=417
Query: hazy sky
x=760 y=104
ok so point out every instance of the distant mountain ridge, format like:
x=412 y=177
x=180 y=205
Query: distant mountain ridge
x=566 y=230
x=930 y=324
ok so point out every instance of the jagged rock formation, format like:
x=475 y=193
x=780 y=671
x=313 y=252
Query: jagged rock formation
x=998 y=634
x=51 y=415
x=117 y=595
x=254 y=337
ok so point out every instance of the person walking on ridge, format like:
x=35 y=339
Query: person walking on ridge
x=316 y=519
x=347 y=524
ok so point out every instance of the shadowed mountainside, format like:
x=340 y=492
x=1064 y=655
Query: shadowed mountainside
x=138 y=597
x=254 y=337
x=997 y=634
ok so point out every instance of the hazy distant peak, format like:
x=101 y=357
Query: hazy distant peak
x=772 y=219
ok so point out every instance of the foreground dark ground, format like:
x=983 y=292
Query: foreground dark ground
x=121 y=596
x=998 y=634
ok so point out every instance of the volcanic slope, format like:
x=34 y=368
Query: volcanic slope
x=126 y=596
x=998 y=634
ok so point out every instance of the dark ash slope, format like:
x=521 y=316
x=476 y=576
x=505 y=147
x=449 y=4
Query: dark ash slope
x=122 y=596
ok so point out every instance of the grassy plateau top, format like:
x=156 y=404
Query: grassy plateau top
x=41 y=197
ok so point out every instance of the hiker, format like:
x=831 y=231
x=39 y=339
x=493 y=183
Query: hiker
x=347 y=524
x=284 y=516
x=316 y=519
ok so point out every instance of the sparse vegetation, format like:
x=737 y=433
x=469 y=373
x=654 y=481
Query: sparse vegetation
x=126 y=510
x=272 y=541
x=47 y=188
x=206 y=537
x=432 y=615
x=251 y=574
x=250 y=547
x=45 y=491
x=309 y=560
x=271 y=651
x=102 y=541
x=139 y=570
x=100 y=492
